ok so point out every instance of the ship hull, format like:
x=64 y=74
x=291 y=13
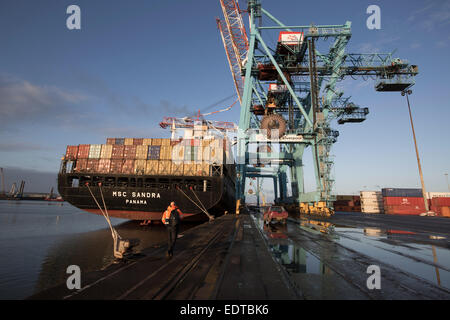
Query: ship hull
x=147 y=197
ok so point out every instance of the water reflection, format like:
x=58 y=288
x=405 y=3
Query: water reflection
x=297 y=260
x=420 y=254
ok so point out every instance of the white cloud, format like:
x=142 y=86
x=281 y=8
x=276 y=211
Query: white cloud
x=21 y=100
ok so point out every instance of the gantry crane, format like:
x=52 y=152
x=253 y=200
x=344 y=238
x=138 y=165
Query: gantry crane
x=290 y=98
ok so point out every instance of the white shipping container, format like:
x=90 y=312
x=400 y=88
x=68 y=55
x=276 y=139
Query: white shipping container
x=94 y=151
x=431 y=195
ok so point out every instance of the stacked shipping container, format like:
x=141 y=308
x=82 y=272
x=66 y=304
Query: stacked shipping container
x=403 y=201
x=190 y=157
x=441 y=205
x=372 y=202
x=347 y=203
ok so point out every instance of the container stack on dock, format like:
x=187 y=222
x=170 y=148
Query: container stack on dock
x=188 y=157
x=403 y=201
x=440 y=203
x=372 y=202
x=347 y=203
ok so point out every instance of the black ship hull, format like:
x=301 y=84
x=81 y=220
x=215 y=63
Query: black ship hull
x=142 y=197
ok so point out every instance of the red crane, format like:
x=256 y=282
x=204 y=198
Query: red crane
x=235 y=41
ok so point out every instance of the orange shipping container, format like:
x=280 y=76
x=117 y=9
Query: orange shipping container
x=92 y=165
x=111 y=141
x=190 y=169
x=116 y=166
x=104 y=165
x=147 y=142
x=177 y=168
x=165 y=167
x=156 y=142
x=128 y=141
x=152 y=167
x=166 y=152
x=83 y=151
x=117 y=151
x=141 y=152
x=71 y=152
x=129 y=152
x=139 y=166
x=81 y=165
x=128 y=166
x=138 y=141
x=203 y=169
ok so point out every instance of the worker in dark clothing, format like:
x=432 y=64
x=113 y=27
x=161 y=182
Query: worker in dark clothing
x=171 y=219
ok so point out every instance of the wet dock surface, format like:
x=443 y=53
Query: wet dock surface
x=239 y=257
x=225 y=259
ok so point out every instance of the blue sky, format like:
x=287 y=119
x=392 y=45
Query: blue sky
x=134 y=62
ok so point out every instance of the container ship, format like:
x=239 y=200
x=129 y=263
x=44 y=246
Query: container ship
x=139 y=177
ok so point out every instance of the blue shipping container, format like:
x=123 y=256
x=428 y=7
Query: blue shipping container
x=401 y=192
x=153 y=152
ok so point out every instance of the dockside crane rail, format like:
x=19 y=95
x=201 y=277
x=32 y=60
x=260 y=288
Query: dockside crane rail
x=291 y=88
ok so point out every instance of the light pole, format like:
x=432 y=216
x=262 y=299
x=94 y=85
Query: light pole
x=446 y=178
x=424 y=192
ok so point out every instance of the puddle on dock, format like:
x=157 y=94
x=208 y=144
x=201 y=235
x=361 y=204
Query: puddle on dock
x=297 y=260
x=424 y=255
x=421 y=254
x=313 y=278
x=408 y=251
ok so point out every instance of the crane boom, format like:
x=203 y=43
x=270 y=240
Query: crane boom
x=235 y=41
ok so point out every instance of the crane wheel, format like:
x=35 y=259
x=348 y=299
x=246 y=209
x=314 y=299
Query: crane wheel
x=274 y=122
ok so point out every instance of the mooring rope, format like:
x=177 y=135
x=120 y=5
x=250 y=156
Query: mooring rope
x=204 y=211
x=198 y=198
x=106 y=215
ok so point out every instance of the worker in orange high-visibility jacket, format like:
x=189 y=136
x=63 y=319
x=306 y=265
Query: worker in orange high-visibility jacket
x=171 y=219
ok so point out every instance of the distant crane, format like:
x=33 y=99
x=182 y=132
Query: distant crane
x=199 y=123
x=3 y=182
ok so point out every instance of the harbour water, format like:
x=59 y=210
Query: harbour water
x=39 y=240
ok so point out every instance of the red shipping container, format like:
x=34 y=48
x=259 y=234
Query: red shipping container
x=116 y=166
x=402 y=210
x=117 y=151
x=404 y=205
x=71 y=152
x=441 y=202
x=111 y=141
x=138 y=141
x=129 y=152
x=83 y=151
x=81 y=165
x=128 y=167
x=92 y=165
x=104 y=165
